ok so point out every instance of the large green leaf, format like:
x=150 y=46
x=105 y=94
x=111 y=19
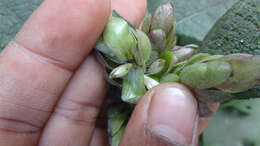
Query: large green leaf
x=195 y=17
x=235 y=124
x=13 y=14
x=238 y=31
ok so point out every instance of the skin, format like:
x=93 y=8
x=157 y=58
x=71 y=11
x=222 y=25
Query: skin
x=52 y=87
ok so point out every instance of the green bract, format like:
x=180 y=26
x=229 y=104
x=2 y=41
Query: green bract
x=143 y=52
x=119 y=39
x=206 y=75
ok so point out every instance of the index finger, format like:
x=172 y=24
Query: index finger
x=37 y=65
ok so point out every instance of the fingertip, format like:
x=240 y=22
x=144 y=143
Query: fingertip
x=167 y=114
x=172 y=113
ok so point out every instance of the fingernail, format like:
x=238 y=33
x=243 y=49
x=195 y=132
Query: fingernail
x=172 y=114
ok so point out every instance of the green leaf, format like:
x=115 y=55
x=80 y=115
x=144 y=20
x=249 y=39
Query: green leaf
x=116 y=123
x=194 y=17
x=13 y=14
x=238 y=31
x=133 y=85
x=115 y=110
x=116 y=138
x=194 y=59
x=197 y=58
x=231 y=127
x=170 y=78
x=170 y=60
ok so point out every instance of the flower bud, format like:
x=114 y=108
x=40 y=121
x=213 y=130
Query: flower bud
x=150 y=82
x=163 y=17
x=206 y=75
x=156 y=66
x=120 y=71
x=144 y=49
x=158 y=37
x=245 y=72
x=119 y=39
x=184 y=53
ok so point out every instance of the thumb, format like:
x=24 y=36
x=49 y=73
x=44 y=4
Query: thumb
x=165 y=116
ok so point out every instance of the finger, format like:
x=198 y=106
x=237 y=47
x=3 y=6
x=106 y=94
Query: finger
x=81 y=101
x=99 y=138
x=77 y=110
x=37 y=65
x=166 y=115
x=132 y=10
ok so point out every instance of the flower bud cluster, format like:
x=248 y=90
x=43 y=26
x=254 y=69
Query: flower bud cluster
x=138 y=60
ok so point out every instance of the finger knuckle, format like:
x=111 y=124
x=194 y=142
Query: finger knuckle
x=77 y=111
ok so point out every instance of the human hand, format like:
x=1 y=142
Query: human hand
x=51 y=87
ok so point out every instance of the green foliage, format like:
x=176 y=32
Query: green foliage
x=237 y=32
x=237 y=122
